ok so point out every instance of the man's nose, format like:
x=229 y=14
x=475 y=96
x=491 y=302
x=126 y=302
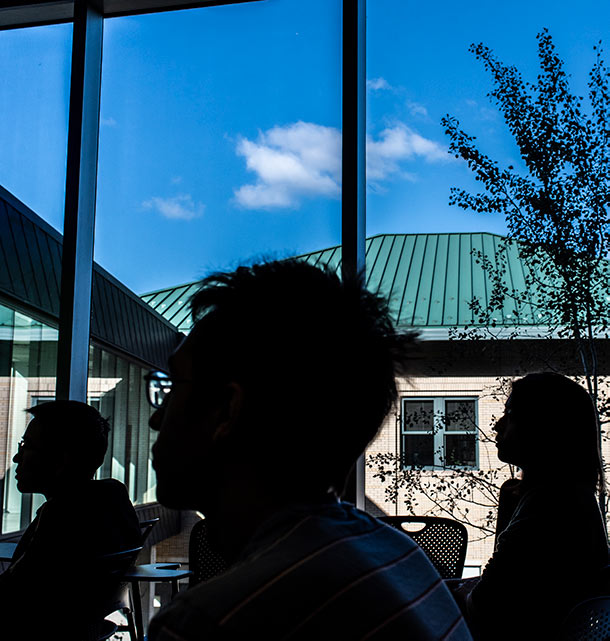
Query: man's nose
x=499 y=424
x=17 y=457
x=156 y=419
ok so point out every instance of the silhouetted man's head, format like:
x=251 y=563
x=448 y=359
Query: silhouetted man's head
x=288 y=373
x=64 y=441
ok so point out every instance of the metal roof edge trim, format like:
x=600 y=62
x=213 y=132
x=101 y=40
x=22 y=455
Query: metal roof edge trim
x=118 y=8
x=136 y=359
x=435 y=233
x=395 y=235
x=131 y=294
x=10 y=300
x=516 y=332
x=154 y=292
x=46 y=319
x=21 y=14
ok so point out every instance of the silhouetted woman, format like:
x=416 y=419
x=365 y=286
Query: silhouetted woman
x=550 y=539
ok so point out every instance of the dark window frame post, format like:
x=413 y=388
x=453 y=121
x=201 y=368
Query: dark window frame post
x=79 y=214
x=353 y=170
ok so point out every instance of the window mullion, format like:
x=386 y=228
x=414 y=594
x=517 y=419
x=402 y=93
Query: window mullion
x=439 y=432
x=79 y=215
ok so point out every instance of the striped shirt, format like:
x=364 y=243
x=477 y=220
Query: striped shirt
x=314 y=572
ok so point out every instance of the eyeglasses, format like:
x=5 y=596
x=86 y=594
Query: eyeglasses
x=26 y=445
x=158 y=388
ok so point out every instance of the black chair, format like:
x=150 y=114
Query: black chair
x=147 y=526
x=443 y=540
x=111 y=594
x=588 y=621
x=204 y=562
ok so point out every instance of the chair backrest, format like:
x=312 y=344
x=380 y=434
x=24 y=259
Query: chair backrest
x=110 y=590
x=443 y=540
x=106 y=590
x=588 y=621
x=601 y=586
x=204 y=562
x=146 y=527
x=117 y=563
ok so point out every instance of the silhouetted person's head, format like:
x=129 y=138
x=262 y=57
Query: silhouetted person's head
x=65 y=441
x=287 y=373
x=550 y=420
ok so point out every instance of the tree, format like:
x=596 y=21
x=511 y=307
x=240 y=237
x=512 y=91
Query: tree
x=556 y=206
x=557 y=209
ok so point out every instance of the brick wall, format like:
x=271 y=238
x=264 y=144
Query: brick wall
x=490 y=408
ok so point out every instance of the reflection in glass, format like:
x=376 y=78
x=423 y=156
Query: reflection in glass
x=28 y=353
x=418 y=450
x=460 y=415
x=116 y=387
x=460 y=450
x=419 y=415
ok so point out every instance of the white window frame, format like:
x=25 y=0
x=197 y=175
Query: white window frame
x=438 y=410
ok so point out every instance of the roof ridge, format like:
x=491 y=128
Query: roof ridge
x=172 y=287
x=335 y=247
x=439 y=233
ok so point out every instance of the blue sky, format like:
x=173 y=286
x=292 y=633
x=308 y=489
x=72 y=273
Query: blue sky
x=221 y=127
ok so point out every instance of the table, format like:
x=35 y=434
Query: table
x=7 y=549
x=148 y=572
x=152 y=573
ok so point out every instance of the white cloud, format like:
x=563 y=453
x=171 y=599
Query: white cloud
x=483 y=112
x=181 y=207
x=303 y=160
x=395 y=145
x=417 y=109
x=108 y=122
x=376 y=84
x=292 y=162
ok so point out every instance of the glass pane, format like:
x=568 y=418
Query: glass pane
x=35 y=72
x=34 y=99
x=418 y=415
x=460 y=450
x=28 y=352
x=460 y=415
x=116 y=388
x=136 y=399
x=107 y=388
x=145 y=478
x=220 y=142
x=423 y=252
x=418 y=450
x=119 y=423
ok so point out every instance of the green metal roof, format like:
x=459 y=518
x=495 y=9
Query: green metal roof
x=173 y=304
x=428 y=279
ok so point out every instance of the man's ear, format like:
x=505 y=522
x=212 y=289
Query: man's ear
x=64 y=464
x=229 y=410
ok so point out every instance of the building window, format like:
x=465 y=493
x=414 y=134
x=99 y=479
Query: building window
x=439 y=432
